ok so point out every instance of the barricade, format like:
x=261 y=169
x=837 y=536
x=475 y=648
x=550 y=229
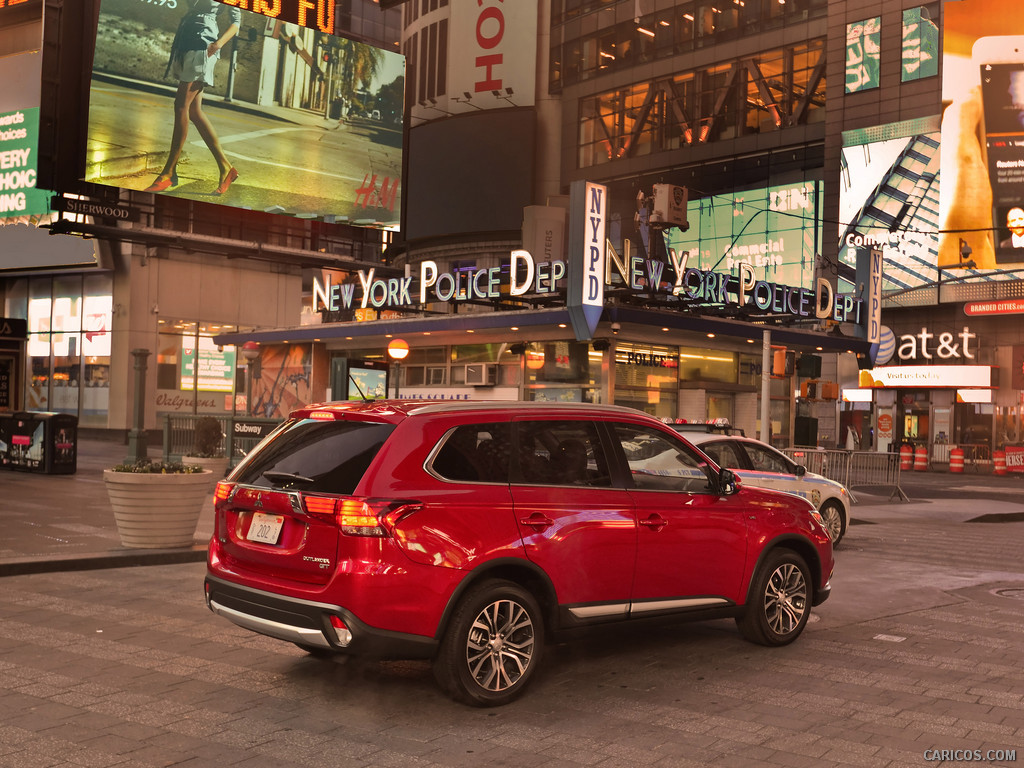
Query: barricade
x=906 y=456
x=853 y=468
x=999 y=462
x=920 y=458
x=956 y=460
x=829 y=463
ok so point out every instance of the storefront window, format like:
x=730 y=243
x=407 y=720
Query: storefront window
x=696 y=364
x=506 y=373
x=1009 y=427
x=68 y=351
x=561 y=371
x=193 y=374
x=97 y=317
x=647 y=378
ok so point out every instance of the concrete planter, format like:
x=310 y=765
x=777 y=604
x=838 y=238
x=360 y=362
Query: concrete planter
x=219 y=466
x=156 y=511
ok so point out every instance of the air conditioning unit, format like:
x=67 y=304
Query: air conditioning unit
x=669 y=208
x=480 y=374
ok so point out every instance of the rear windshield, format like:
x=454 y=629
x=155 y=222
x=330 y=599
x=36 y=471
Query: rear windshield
x=318 y=456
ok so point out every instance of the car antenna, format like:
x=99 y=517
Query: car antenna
x=359 y=390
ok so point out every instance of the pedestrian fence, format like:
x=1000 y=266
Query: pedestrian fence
x=240 y=434
x=852 y=468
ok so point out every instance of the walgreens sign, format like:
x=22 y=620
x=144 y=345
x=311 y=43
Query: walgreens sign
x=492 y=54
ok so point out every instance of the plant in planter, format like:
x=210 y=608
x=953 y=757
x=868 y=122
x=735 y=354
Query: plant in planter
x=207 y=447
x=157 y=504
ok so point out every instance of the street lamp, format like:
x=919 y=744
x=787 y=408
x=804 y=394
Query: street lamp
x=251 y=352
x=398 y=350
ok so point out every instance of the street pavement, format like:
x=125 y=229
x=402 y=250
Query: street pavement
x=109 y=657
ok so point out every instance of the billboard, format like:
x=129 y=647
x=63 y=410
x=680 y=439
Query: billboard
x=19 y=150
x=982 y=191
x=492 y=55
x=888 y=200
x=290 y=119
x=773 y=230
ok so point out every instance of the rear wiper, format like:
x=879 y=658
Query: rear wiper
x=279 y=478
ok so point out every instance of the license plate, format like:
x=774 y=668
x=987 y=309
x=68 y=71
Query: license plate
x=265 y=528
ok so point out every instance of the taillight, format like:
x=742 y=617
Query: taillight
x=222 y=491
x=361 y=517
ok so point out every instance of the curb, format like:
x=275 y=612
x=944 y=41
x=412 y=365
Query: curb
x=114 y=559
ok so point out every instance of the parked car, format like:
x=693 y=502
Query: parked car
x=757 y=463
x=469 y=533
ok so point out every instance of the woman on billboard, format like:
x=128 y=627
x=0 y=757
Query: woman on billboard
x=194 y=53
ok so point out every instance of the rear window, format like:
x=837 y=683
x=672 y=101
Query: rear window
x=314 y=455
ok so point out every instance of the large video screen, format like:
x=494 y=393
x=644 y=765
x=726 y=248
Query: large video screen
x=201 y=100
x=982 y=191
x=773 y=230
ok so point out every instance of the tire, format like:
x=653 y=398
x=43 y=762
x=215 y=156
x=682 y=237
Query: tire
x=835 y=524
x=779 y=601
x=492 y=646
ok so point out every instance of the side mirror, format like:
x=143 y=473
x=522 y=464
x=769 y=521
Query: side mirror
x=727 y=484
x=801 y=470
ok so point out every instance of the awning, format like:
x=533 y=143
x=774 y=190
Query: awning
x=490 y=326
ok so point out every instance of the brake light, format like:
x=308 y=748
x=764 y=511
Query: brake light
x=320 y=505
x=357 y=518
x=322 y=415
x=361 y=517
x=222 y=491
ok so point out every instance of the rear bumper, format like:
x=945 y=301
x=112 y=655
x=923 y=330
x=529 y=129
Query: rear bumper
x=308 y=623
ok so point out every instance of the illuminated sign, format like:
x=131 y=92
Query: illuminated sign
x=19 y=142
x=929 y=376
x=311 y=124
x=521 y=275
x=306 y=13
x=875 y=297
x=1004 y=307
x=588 y=214
x=945 y=346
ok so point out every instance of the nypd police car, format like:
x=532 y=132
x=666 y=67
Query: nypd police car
x=756 y=463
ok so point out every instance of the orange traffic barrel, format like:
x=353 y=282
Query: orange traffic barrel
x=906 y=456
x=999 y=462
x=956 y=460
x=920 y=458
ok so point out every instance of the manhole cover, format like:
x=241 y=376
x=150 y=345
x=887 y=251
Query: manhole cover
x=1017 y=593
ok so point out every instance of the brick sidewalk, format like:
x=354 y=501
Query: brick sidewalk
x=64 y=522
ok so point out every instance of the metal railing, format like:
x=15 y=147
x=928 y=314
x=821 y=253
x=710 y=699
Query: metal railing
x=852 y=468
x=240 y=434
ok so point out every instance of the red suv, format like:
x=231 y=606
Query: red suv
x=470 y=532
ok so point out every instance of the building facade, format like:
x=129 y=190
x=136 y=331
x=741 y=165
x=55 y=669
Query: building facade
x=756 y=303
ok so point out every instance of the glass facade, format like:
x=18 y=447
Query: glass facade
x=68 y=351
x=685 y=27
x=768 y=91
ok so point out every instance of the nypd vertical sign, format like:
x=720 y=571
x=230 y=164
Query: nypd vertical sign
x=588 y=213
x=874 y=297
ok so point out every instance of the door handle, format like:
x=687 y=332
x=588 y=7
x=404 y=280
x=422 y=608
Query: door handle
x=537 y=521
x=654 y=522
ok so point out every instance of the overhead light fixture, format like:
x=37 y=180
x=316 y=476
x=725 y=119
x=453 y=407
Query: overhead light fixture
x=645 y=31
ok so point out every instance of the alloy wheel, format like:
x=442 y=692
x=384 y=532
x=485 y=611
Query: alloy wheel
x=500 y=645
